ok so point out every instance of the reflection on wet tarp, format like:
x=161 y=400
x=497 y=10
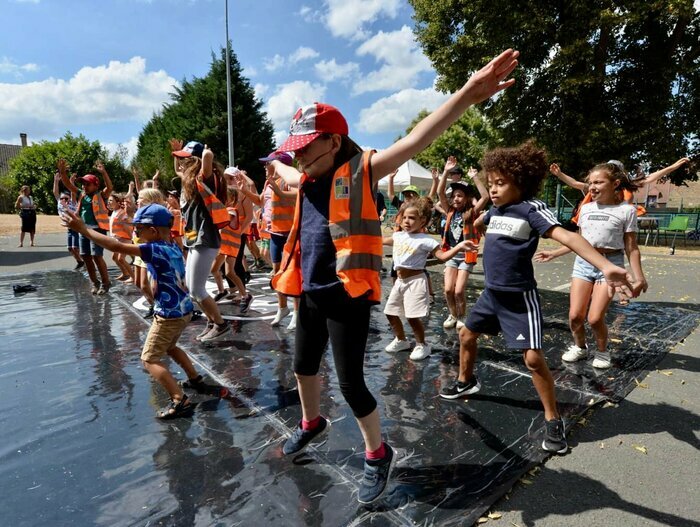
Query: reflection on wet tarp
x=79 y=443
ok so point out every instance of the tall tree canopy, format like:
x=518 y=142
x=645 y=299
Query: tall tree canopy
x=36 y=165
x=198 y=111
x=599 y=79
x=466 y=139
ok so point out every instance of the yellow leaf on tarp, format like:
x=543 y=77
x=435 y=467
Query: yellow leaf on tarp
x=495 y=515
x=640 y=384
x=526 y=481
x=602 y=445
x=667 y=373
x=616 y=341
x=640 y=448
x=481 y=520
x=608 y=404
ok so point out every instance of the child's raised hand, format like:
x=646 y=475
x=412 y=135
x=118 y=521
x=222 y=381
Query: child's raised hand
x=156 y=175
x=434 y=172
x=472 y=172
x=489 y=80
x=100 y=167
x=175 y=145
x=450 y=163
x=62 y=166
x=543 y=256
x=554 y=169
x=73 y=178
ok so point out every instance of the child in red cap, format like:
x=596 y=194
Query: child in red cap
x=333 y=255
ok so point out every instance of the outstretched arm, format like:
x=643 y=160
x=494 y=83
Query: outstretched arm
x=175 y=145
x=485 y=83
x=72 y=221
x=108 y=182
x=450 y=163
x=291 y=176
x=655 y=176
x=568 y=180
x=483 y=191
x=56 y=179
x=433 y=186
x=390 y=187
x=64 y=176
x=463 y=246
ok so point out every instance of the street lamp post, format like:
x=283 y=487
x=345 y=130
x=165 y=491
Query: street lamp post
x=228 y=94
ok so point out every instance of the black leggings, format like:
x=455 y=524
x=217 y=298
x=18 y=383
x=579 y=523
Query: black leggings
x=333 y=314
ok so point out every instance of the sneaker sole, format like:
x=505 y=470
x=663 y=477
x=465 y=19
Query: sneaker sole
x=392 y=463
x=320 y=435
x=562 y=451
x=574 y=360
x=464 y=393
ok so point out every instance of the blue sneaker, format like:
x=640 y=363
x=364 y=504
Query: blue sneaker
x=376 y=477
x=300 y=437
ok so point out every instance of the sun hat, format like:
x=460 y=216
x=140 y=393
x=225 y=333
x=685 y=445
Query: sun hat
x=153 y=214
x=311 y=121
x=461 y=185
x=193 y=148
x=411 y=188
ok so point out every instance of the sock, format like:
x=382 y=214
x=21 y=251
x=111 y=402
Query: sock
x=310 y=425
x=373 y=455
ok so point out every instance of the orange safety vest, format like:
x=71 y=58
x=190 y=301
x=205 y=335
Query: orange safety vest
x=282 y=213
x=178 y=228
x=99 y=209
x=230 y=237
x=217 y=210
x=627 y=197
x=355 y=229
x=468 y=230
x=121 y=226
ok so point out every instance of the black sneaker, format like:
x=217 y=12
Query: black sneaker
x=376 y=477
x=220 y=296
x=149 y=313
x=215 y=332
x=300 y=437
x=79 y=265
x=460 y=389
x=245 y=302
x=554 y=438
x=206 y=330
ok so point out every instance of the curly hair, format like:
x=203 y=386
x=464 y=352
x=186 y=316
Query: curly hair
x=526 y=164
x=614 y=172
x=424 y=206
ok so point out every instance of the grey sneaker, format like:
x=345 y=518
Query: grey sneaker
x=206 y=330
x=300 y=437
x=460 y=389
x=554 y=438
x=376 y=477
x=245 y=302
x=215 y=332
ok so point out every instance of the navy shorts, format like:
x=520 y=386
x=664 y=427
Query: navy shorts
x=277 y=242
x=516 y=314
x=73 y=239
x=90 y=248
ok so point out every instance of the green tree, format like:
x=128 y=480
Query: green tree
x=466 y=139
x=198 y=111
x=36 y=165
x=599 y=79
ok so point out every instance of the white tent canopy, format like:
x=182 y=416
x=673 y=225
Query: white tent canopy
x=410 y=173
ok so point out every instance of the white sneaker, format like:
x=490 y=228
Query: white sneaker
x=281 y=313
x=602 y=360
x=398 y=345
x=574 y=353
x=293 y=323
x=459 y=325
x=449 y=322
x=420 y=352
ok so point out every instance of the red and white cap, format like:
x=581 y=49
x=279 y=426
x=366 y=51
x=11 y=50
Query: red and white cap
x=311 y=121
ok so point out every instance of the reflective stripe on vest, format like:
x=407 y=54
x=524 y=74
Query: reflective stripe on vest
x=469 y=233
x=216 y=209
x=99 y=209
x=178 y=228
x=281 y=211
x=355 y=229
x=230 y=242
x=121 y=226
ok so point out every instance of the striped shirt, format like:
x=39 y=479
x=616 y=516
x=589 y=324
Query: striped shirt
x=512 y=236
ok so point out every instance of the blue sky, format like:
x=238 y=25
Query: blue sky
x=102 y=67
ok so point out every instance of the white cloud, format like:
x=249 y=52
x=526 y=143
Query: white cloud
x=287 y=98
x=348 y=18
x=310 y=15
x=330 y=70
x=119 y=91
x=696 y=5
x=131 y=146
x=278 y=61
x=7 y=66
x=395 y=112
x=403 y=61
x=260 y=90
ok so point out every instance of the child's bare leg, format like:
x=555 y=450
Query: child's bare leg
x=90 y=266
x=211 y=310
x=253 y=248
x=543 y=381
x=102 y=267
x=309 y=387
x=371 y=430
x=467 y=353
x=231 y=274
x=76 y=254
x=396 y=326
x=418 y=329
x=579 y=297
x=600 y=300
x=179 y=356
x=163 y=376
x=450 y=281
x=460 y=287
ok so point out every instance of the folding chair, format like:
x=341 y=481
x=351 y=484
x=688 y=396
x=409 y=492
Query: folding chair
x=678 y=225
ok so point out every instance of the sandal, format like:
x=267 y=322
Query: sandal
x=174 y=410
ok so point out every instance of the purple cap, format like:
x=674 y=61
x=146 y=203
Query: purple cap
x=282 y=157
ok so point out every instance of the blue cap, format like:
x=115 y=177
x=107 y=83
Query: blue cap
x=193 y=148
x=153 y=214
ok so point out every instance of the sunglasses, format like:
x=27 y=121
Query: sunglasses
x=63 y=199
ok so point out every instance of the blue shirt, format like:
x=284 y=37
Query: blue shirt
x=512 y=236
x=317 y=249
x=166 y=270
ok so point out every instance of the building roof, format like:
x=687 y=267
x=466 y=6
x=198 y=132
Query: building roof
x=7 y=152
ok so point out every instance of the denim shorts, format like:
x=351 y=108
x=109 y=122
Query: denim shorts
x=585 y=271
x=73 y=240
x=90 y=248
x=457 y=262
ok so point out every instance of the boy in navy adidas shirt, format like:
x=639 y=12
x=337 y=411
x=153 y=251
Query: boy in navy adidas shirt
x=510 y=302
